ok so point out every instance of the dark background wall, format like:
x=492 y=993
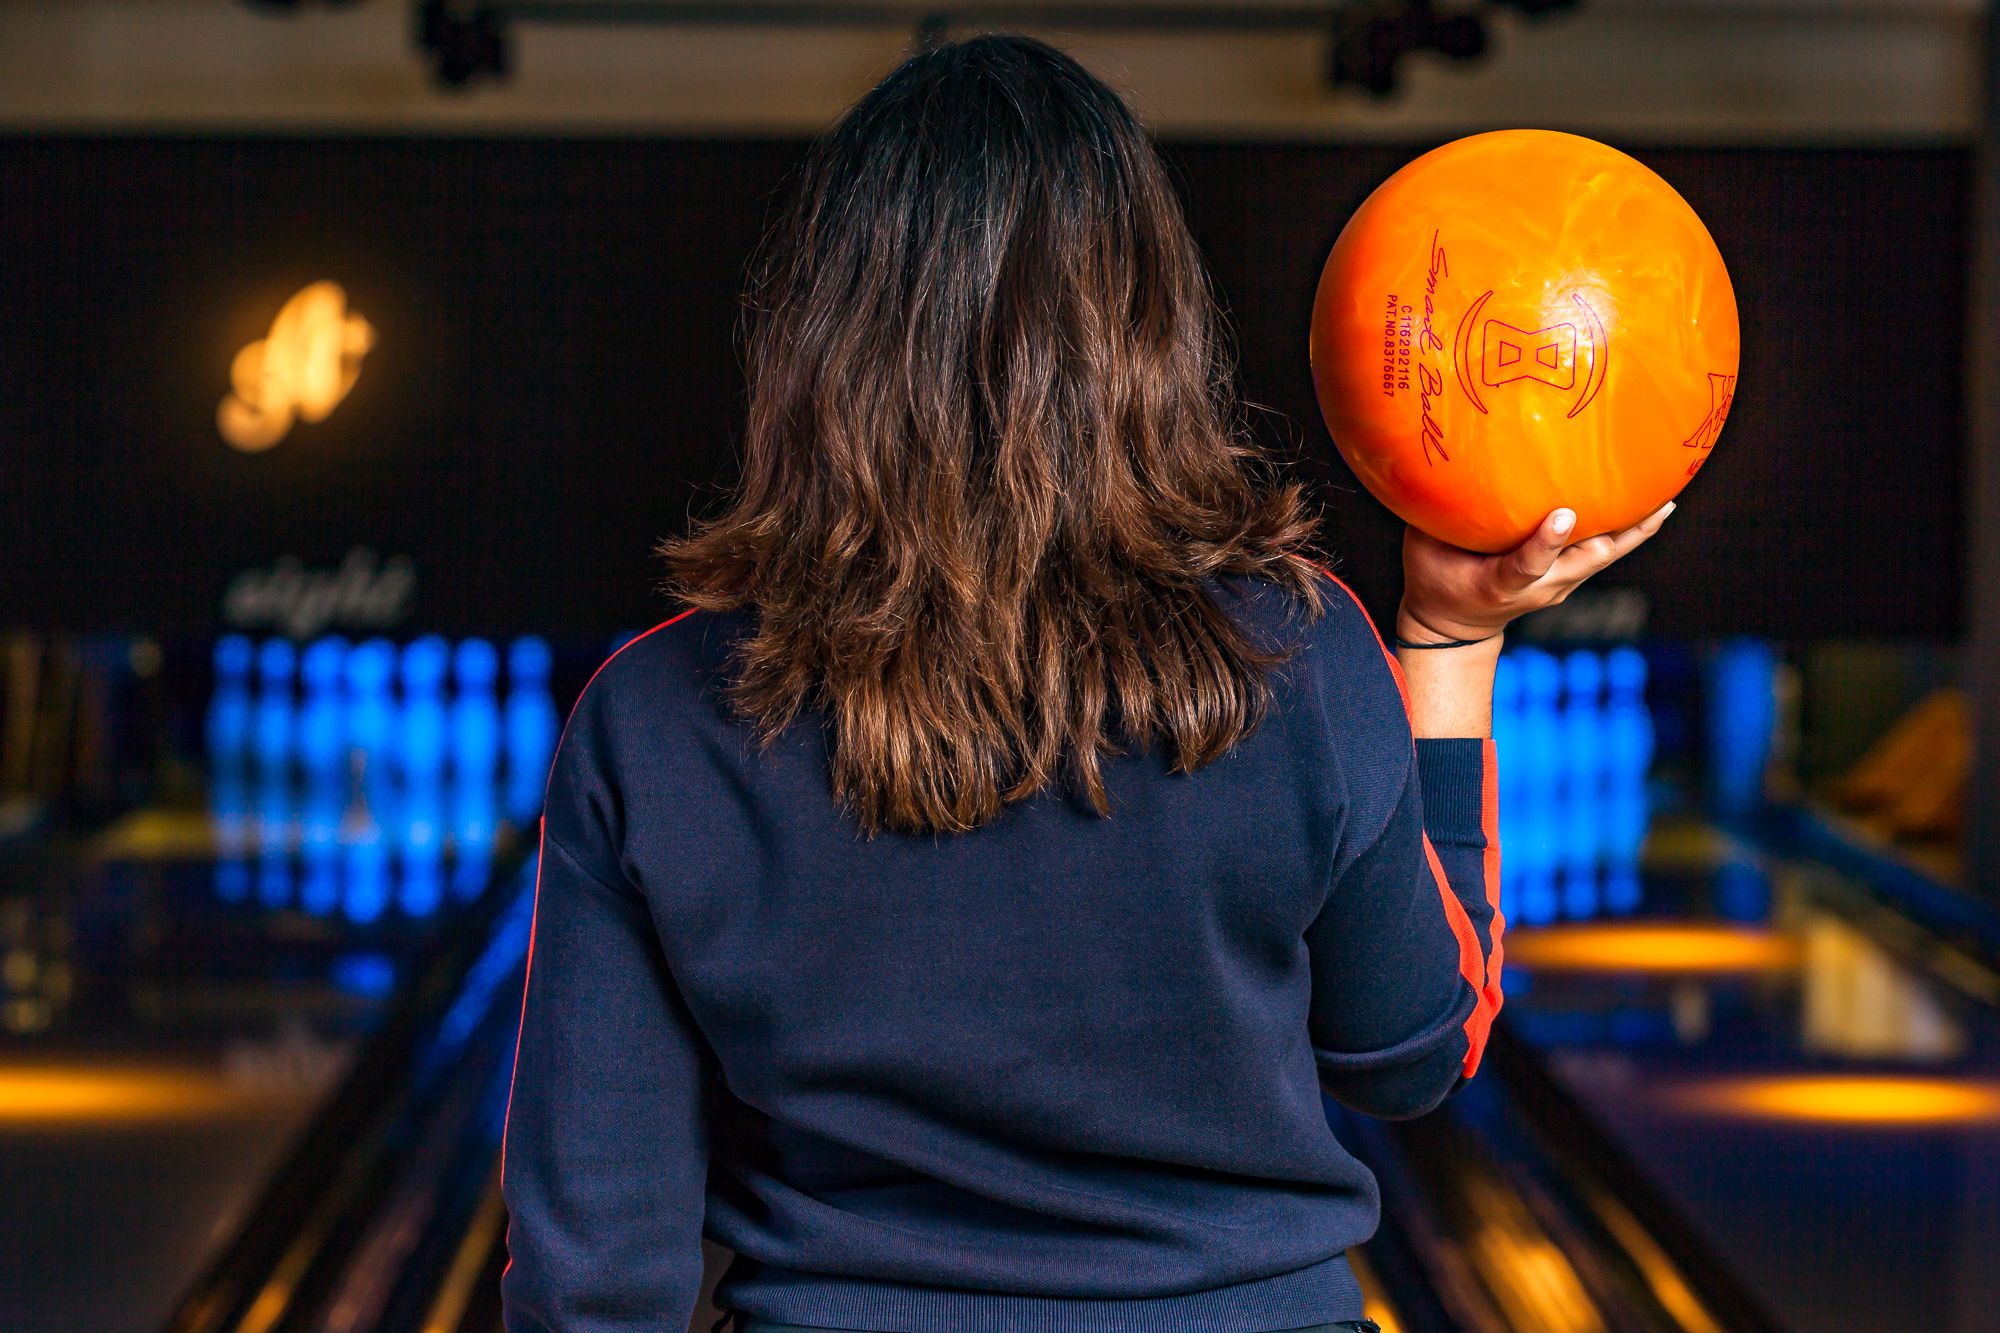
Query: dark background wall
x=555 y=383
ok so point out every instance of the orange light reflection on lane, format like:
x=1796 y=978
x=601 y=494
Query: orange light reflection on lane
x=1889 y=1100
x=60 y=1094
x=1653 y=947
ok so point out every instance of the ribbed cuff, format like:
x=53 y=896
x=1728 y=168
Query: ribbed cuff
x=1321 y=1293
x=1453 y=774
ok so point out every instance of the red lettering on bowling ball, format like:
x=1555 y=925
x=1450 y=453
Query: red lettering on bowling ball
x=1429 y=385
x=1429 y=382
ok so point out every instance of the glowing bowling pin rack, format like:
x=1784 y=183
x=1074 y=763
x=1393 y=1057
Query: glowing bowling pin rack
x=367 y=778
x=1575 y=742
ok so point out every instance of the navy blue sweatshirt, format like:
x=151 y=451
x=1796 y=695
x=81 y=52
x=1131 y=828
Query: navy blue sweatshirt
x=1062 y=1072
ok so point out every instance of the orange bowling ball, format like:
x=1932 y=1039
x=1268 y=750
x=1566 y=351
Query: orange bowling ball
x=1522 y=321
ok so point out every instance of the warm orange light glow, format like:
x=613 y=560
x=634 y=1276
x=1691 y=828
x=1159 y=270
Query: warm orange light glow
x=1374 y=1301
x=1851 y=1099
x=1659 y=1271
x=300 y=370
x=58 y=1094
x=1652 y=947
x=1524 y=1270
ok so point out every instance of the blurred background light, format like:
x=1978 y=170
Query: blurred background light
x=1849 y=1099
x=1651 y=947
x=299 y=371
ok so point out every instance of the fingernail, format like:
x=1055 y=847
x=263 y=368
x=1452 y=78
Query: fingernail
x=1563 y=521
x=1668 y=512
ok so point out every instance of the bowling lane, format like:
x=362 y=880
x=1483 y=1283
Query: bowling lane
x=1802 y=1061
x=1824 y=1105
x=1711 y=1050
x=186 y=984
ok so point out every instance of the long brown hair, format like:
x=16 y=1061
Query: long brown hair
x=993 y=453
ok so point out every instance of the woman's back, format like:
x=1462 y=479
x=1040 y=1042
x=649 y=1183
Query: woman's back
x=1062 y=1071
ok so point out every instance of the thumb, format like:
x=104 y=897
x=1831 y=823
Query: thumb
x=1533 y=558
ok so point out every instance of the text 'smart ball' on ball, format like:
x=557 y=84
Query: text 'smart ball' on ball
x=1518 y=322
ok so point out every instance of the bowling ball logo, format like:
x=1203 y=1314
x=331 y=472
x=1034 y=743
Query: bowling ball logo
x=1520 y=321
x=1507 y=353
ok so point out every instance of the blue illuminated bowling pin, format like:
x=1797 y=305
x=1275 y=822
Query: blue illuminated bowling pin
x=319 y=840
x=477 y=818
x=323 y=712
x=531 y=725
x=228 y=723
x=274 y=723
x=1630 y=742
x=1507 y=747
x=229 y=811
x=371 y=712
x=274 y=727
x=228 y=727
x=1580 y=781
x=274 y=878
x=475 y=764
x=1742 y=715
x=475 y=711
x=1629 y=723
x=365 y=887
x=421 y=854
x=1540 y=745
x=324 y=757
x=422 y=743
x=277 y=828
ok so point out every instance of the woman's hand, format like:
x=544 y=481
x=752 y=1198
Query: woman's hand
x=1450 y=594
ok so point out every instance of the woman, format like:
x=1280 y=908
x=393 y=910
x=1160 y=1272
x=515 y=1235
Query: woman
x=962 y=910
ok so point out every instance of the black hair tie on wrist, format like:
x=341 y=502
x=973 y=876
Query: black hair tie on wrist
x=1402 y=642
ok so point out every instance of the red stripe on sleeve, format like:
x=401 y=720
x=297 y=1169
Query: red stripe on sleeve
x=527 y=971
x=534 y=908
x=1489 y=824
x=1471 y=965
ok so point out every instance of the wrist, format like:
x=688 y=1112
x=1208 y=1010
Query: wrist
x=1445 y=634
x=1449 y=691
